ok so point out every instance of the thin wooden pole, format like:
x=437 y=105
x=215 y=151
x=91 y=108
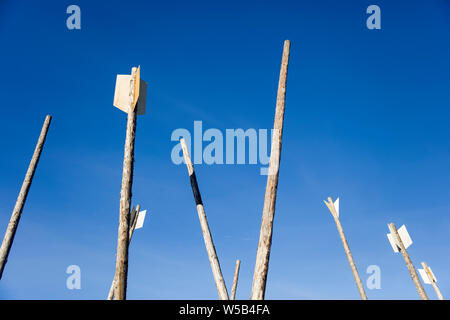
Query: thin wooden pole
x=130 y=235
x=17 y=211
x=125 y=200
x=358 y=281
x=213 y=260
x=235 y=280
x=265 y=237
x=409 y=264
x=433 y=283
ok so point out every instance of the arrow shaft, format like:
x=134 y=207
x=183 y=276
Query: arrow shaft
x=209 y=244
x=265 y=236
x=358 y=281
x=17 y=211
x=235 y=280
x=125 y=200
x=409 y=264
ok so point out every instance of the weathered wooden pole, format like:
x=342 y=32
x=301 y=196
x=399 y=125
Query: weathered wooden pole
x=409 y=264
x=125 y=197
x=265 y=237
x=432 y=280
x=130 y=235
x=335 y=215
x=17 y=212
x=213 y=260
x=235 y=280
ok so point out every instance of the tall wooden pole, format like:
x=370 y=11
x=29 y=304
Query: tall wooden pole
x=130 y=235
x=17 y=212
x=235 y=280
x=409 y=264
x=265 y=237
x=213 y=260
x=359 y=284
x=433 y=282
x=125 y=200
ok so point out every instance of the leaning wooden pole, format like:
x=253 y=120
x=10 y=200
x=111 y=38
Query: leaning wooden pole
x=213 y=260
x=125 y=200
x=130 y=235
x=358 y=281
x=265 y=237
x=409 y=264
x=17 y=212
x=432 y=280
x=235 y=280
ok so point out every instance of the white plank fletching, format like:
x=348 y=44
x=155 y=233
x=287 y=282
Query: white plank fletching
x=393 y=243
x=404 y=236
x=336 y=206
x=140 y=219
x=122 y=92
x=424 y=276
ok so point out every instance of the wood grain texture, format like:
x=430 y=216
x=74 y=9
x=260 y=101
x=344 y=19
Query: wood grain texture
x=20 y=202
x=130 y=235
x=125 y=201
x=235 y=280
x=358 y=281
x=209 y=244
x=265 y=237
x=433 y=283
x=409 y=264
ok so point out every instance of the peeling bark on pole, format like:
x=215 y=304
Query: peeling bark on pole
x=211 y=250
x=359 y=284
x=125 y=201
x=235 y=280
x=130 y=235
x=409 y=264
x=17 y=211
x=265 y=237
x=433 y=283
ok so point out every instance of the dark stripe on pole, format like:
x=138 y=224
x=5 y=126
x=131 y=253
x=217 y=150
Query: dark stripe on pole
x=194 y=185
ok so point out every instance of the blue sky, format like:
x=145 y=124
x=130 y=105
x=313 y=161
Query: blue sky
x=366 y=120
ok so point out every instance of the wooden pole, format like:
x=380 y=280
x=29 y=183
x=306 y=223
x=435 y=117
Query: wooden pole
x=409 y=265
x=130 y=235
x=213 y=260
x=235 y=280
x=359 y=284
x=125 y=200
x=17 y=211
x=433 y=283
x=265 y=237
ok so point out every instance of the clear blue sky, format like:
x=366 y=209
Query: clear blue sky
x=366 y=120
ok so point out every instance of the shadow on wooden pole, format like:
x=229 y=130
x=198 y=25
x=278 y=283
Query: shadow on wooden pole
x=17 y=212
x=213 y=260
x=265 y=236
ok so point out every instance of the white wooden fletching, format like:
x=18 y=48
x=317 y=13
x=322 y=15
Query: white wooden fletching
x=393 y=243
x=424 y=276
x=122 y=92
x=404 y=236
x=140 y=219
x=336 y=206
